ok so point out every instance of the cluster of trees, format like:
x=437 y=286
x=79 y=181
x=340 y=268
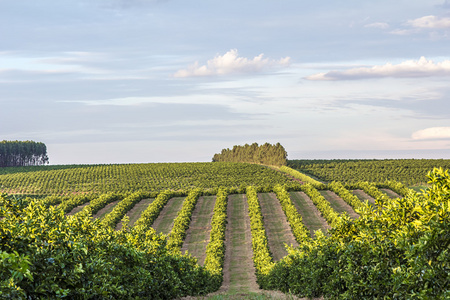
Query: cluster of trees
x=22 y=153
x=266 y=154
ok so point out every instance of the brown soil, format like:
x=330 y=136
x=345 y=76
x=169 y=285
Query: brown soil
x=135 y=212
x=238 y=245
x=199 y=228
x=164 y=222
x=317 y=220
x=105 y=209
x=363 y=196
x=338 y=204
x=77 y=209
x=277 y=227
x=390 y=193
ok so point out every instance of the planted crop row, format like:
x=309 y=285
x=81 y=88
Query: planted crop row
x=395 y=186
x=371 y=190
x=345 y=195
x=100 y=202
x=215 y=251
x=262 y=258
x=73 y=202
x=298 y=175
x=299 y=229
x=127 y=178
x=321 y=203
x=407 y=171
x=119 y=211
x=150 y=214
x=181 y=222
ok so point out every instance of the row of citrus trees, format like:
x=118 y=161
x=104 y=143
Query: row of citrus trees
x=45 y=254
x=397 y=249
x=369 y=257
x=408 y=171
x=127 y=178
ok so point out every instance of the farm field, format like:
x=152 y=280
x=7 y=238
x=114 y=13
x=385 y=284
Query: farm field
x=189 y=226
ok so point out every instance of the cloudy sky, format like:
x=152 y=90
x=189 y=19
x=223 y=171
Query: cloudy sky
x=124 y=81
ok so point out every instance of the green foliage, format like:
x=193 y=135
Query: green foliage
x=150 y=214
x=215 y=250
x=262 y=257
x=328 y=213
x=73 y=202
x=13 y=269
x=407 y=171
x=22 y=153
x=100 y=202
x=299 y=229
x=50 y=256
x=300 y=176
x=182 y=221
x=129 y=178
x=345 y=195
x=119 y=211
x=267 y=154
x=370 y=189
x=399 y=249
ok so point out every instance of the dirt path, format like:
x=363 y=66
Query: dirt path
x=197 y=235
x=106 y=210
x=311 y=216
x=136 y=212
x=239 y=271
x=363 y=196
x=338 y=204
x=277 y=227
x=77 y=209
x=390 y=193
x=164 y=222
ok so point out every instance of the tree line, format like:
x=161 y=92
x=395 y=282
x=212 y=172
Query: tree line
x=266 y=154
x=22 y=153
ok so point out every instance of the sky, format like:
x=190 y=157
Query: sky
x=137 y=81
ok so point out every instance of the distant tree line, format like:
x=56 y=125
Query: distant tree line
x=266 y=154
x=22 y=153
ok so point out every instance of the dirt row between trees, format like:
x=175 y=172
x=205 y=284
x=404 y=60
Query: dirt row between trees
x=106 y=210
x=239 y=271
x=198 y=233
x=363 y=196
x=277 y=227
x=135 y=213
x=338 y=204
x=164 y=222
x=311 y=216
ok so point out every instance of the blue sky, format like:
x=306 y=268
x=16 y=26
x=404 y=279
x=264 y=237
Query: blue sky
x=116 y=81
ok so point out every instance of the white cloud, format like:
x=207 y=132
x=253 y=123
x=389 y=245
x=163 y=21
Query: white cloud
x=432 y=133
x=410 y=68
x=379 y=25
x=429 y=22
x=231 y=63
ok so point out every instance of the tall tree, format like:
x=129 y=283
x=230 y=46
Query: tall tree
x=22 y=153
x=266 y=154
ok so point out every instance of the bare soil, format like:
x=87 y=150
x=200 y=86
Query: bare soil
x=338 y=204
x=136 y=212
x=198 y=233
x=390 y=193
x=77 y=209
x=105 y=210
x=277 y=227
x=311 y=216
x=164 y=222
x=363 y=196
x=239 y=271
